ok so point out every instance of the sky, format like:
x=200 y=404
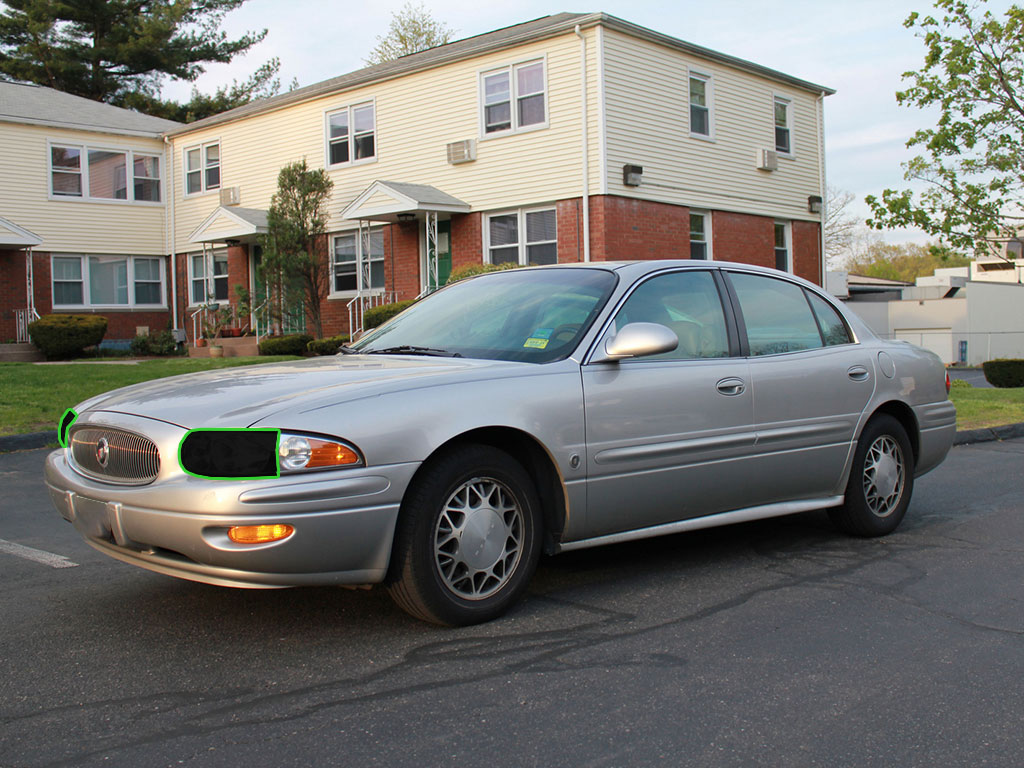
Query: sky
x=858 y=47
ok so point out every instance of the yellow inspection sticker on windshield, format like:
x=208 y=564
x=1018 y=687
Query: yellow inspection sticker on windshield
x=536 y=343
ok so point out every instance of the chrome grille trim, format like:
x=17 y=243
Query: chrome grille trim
x=132 y=460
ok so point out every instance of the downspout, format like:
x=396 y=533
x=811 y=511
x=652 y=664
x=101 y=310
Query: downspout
x=170 y=236
x=821 y=181
x=585 y=144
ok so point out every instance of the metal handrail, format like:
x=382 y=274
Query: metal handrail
x=360 y=303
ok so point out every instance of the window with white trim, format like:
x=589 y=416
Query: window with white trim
x=93 y=173
x=351 y=134
x=208 y=277
x=700 y=235
x=356 y=266
x=514 y=98
x=107 y=281
x=782 y=246
x=202 y=168
x=783 y=109
x=700 y=105
x=522 y=237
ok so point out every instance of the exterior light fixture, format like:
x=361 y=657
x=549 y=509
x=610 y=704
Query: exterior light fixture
x=405 y=218
x=814 y=204
x=632 y=175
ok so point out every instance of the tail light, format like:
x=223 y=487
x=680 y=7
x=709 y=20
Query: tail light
x=948 y=385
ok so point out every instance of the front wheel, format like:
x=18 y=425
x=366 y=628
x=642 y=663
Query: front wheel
x=881 y=480
x=468 y=538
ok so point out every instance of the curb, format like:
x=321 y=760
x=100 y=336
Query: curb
x=34 y=440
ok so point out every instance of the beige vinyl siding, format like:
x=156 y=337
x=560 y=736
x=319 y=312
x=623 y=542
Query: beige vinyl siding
x=648 y=125
x=72 y=225
x=416 y=117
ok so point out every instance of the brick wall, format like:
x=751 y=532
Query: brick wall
x=467 y=239
x=807 y=250
x=569 y=216
x=12 y=292
x=626 y=229
x=743 y=238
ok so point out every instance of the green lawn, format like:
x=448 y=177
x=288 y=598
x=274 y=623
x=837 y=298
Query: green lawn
x=977 y=408
x=34 y=396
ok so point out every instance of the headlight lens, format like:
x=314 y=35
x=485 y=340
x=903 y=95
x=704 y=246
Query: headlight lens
x=302 y=452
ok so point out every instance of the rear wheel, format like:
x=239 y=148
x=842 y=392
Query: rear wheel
x=881 y=480
x=468 y=538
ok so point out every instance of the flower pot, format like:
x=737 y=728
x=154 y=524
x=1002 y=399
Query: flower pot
x=200 y=342
x=216 y=350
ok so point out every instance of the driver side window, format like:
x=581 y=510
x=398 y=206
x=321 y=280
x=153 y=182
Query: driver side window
x=686 y=302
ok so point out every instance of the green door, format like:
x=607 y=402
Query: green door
x=444 y=253
x=289 y=315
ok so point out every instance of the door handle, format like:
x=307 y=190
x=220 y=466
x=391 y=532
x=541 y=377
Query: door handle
x=857 y=373
x=731 y=387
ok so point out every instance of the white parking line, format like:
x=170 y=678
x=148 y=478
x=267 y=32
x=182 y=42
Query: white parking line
x=36 y=555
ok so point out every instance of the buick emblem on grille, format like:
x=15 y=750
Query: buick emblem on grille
x=102 y=452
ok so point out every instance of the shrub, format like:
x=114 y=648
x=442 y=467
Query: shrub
x=960 y=384
x=160 y=344
x=285 y=345
x=380 y=315
x=1004 y=373
x=67 y=335
x=327 y=346
x=472 y=270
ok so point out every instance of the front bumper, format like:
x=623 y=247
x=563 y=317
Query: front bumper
x=344 y=523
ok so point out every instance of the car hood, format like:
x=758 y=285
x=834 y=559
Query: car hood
x=242 y=396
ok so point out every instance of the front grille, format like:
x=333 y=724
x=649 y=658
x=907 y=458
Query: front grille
x=130 y=459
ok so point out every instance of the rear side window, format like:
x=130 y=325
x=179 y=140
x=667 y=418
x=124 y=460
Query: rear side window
x=833 y=329
x=777 y=316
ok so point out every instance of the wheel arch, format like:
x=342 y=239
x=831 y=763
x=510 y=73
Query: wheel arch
x=904 y=414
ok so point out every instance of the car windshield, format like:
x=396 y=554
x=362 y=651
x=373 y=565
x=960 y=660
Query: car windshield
x=530 y=315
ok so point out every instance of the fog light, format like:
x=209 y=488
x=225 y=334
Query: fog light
x=259 y=534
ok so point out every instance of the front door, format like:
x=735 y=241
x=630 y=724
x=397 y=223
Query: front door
x=285 y=312
x=444 y=255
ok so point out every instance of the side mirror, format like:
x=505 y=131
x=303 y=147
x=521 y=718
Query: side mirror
x=636 y=340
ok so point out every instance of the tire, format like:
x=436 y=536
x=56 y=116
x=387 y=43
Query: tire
x=881 y=480
x=468 y=538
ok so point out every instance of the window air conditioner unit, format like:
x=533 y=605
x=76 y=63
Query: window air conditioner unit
x=231 y=196
x=462 y=151
x=767 y=160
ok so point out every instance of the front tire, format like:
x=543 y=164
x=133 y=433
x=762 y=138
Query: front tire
x=468 y=538
x=881 y=480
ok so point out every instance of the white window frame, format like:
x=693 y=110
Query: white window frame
x=86 y=299
x=350 y=110
x=779 y=98
x=83 y=173
x=706 y=215
x=361 y=262
x=208 y=278
x=514 y=97
x=709 y=95
x=788 y=235
x=522 y=244
x=204 y=188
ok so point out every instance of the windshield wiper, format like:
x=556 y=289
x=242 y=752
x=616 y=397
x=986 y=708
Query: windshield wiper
x=407 y=349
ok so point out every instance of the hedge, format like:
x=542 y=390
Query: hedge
x=472 y=270
x=328 y=346
x=160 y=343
x=60 y=336
x=1004 y=373
x=285 y=345
x=380 y=315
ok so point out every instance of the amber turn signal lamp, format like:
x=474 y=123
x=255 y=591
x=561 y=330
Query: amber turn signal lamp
x=259 y=534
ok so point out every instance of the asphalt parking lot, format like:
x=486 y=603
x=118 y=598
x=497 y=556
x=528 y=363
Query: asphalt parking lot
x=778 y=643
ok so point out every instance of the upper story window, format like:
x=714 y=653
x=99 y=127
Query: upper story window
x=700 y=235
x=782 y=246
x=208 y=277
x=107 y=281
x=351 y=134
x=522 y=237
x=202 y=168
x=783 y=125
x=700 y=105
x=89 y=173
x=514 y=98
x=357 y=264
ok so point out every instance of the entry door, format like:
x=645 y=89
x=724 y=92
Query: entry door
x=668 y=435
x=444 y=253
x=289 y=316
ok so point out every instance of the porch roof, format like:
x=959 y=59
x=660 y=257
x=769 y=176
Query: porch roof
x=231 y=223
x=19 y=237
x=385 y=200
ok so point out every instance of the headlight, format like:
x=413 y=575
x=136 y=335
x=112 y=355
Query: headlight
x=257 y=454
x=298 y=453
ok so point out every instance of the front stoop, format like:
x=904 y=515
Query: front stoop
x=237 y=346
x=20 y=353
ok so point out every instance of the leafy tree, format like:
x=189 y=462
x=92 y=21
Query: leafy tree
x=120 y=51
x=412 y=29
x=904 y=262
x=972 y=161
x=294 y=246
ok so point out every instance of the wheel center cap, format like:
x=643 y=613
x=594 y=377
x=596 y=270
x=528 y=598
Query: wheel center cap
x=886 y=476
x=483 y=539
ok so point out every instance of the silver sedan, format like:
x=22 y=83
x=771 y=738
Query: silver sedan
x=519 y=412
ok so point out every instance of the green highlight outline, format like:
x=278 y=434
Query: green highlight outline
x=62 y=433
x=277 y=455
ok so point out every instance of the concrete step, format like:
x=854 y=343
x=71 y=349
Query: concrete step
x=236 y=346
x=20 y=353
